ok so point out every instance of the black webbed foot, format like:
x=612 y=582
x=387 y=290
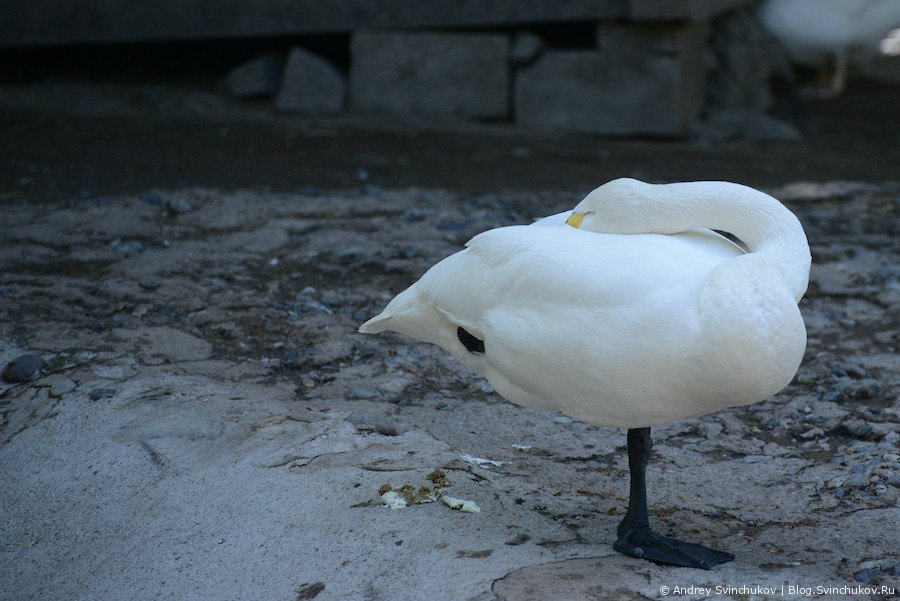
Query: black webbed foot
x=646 y=544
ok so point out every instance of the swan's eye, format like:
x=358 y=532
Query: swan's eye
x=575 y=219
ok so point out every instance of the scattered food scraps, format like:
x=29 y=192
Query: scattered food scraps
x=397 y=498
x=439 y=477
x=460 y=504
x=406 y=495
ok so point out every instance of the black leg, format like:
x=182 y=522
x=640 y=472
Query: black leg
x=635 y=536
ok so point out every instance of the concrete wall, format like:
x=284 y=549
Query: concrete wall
x=57 y=22
x=643 y=72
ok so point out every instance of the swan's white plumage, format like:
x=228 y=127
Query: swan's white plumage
x=637 y=318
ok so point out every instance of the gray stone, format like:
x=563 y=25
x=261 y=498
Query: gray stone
x=642 y=80
x=23 y=368
x=710 y=429
x=455 y=74
x=387 y=427
x=128 y=247
x=395 y=385
x=179 y=206
x=311 y=84
x=258 y=77
x=61 y=387
x=365 y=392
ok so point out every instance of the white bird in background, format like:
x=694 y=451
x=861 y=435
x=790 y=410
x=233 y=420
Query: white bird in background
x=831 y=33
x=626 y=312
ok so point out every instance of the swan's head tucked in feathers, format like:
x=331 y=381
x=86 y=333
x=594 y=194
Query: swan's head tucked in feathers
x=630 y=206
x=622 y=206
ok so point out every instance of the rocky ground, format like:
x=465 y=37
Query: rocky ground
x=210 y=425
x=207 y=423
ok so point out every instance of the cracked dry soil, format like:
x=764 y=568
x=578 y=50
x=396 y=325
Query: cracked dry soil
x=210 y=425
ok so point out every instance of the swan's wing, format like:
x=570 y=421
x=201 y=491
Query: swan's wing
x=563 y=266
x=549 y=269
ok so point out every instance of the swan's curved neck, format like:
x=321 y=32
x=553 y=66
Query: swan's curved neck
x=761 y=222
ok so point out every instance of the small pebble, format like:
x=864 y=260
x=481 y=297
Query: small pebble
x=178 y=205
x=854 y=371
x=831 y=396
x=812 y=433
x=305 y=304
x=387 y=427
x=149 y=284
x=365 y=392
x=709 y=430
x=862 y=430
x=23 y=368
x=858 y=482
x=129 y=247
x=395 y=386
x=61 y=387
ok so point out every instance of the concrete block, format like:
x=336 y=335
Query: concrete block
x=675 y=10
x=458 y=74
x=260 y=76
x=643 y=79
x=311 y=84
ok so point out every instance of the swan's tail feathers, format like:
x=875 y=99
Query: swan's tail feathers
x=409 y=315
x=388 y=319
x=376 y=324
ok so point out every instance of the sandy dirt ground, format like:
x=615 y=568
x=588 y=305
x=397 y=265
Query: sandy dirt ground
x=209 y=425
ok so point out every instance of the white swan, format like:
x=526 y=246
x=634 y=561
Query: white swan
x=633 y=317
x=831 y=33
